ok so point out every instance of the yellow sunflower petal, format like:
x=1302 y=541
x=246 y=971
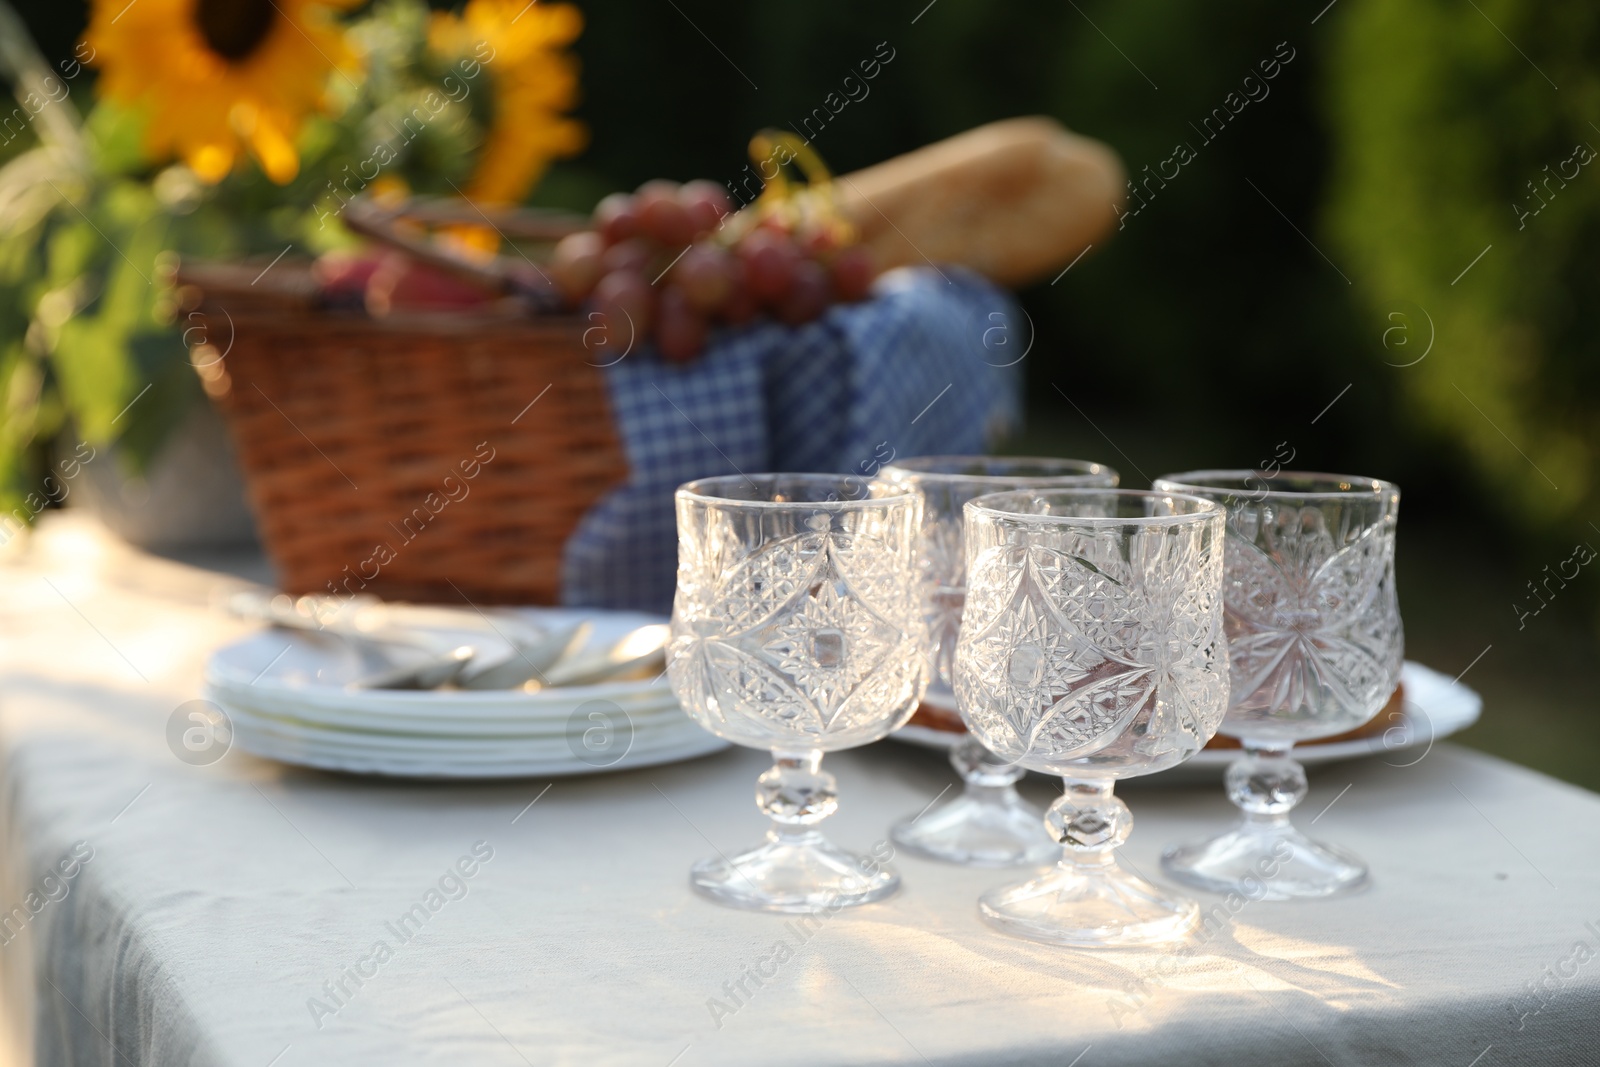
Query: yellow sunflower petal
x=210 y=162
x=275 y=151
x=390 y=189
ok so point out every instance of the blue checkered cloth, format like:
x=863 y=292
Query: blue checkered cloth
x=927 y=366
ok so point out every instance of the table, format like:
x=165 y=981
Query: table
x=214 y=912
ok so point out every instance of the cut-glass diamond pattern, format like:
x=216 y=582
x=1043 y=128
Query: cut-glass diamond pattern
x=807 y=636
x=826 y=643
x=1073 y=650
x=1313 y=621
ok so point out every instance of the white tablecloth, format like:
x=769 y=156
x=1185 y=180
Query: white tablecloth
x=213 y=913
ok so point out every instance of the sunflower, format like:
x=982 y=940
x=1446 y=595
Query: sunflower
x=217 y=76
x=520 y=43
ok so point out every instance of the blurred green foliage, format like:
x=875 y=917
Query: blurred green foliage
x=1452 y=142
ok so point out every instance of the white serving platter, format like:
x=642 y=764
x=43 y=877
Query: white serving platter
x=1435 y=707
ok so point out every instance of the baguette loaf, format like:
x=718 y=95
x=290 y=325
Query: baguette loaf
x=1015 y=200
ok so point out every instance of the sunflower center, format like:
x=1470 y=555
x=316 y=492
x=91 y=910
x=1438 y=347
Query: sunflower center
x=234 y=28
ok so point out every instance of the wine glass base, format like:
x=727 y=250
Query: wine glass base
x=999 y=832
x=1266 y=863
x=1089 y=906
x=797 y=873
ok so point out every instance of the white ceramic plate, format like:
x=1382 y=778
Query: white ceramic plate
x=545 y=719
x=286 y=751
x=250 y=722
x=1435 y=707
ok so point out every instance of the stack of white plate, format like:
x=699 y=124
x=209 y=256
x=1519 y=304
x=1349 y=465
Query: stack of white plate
x=289 y=697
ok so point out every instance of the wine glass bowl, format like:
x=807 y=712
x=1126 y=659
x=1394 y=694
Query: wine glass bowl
x=1092 y=648
x=988 y=824
x=1316 y=646
x=796 y=629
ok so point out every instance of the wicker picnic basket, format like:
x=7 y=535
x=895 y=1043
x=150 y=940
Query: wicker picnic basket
x=441 y=456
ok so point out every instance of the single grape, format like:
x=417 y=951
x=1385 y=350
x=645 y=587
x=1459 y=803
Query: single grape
x=666 y=220
x=853 y=273
x=705 y=274
x=770 y=260
x=626 y=304
x=740 y=305
x=809 y=293
x=681 y=333
x=634 y=254
x=651 y=192
x=706 y=202
x=578 y=264
x=656 y=189
x=616 y=217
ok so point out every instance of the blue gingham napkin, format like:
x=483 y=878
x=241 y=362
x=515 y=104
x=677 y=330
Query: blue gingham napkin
x=929 y=365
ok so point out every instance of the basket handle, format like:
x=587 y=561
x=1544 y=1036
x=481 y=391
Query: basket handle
x=500 y=272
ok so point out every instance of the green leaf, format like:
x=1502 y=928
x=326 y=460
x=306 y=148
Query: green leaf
x=161 y=361
x=116 y=139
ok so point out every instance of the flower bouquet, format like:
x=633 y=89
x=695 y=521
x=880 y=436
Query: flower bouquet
x=230 y=130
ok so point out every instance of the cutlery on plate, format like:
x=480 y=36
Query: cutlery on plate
x=527 y=661
x=429 y=673
x=641 y=650
x=536 y=659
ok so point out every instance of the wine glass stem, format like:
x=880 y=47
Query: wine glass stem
x=796 y=793
x=1266 y=784
x=1089 y=822
x=985 y=775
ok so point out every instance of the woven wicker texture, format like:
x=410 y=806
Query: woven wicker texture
x=401 y=457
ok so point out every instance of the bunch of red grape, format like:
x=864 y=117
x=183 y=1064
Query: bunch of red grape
x=668 y=261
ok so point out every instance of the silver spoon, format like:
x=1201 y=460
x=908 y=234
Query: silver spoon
x=641 y=649
x=525 y=662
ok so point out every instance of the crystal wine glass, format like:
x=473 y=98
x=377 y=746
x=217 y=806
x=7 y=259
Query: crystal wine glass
x=796 y=629
x=1092 y=647
x=989 y=824
x=1316 y=647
